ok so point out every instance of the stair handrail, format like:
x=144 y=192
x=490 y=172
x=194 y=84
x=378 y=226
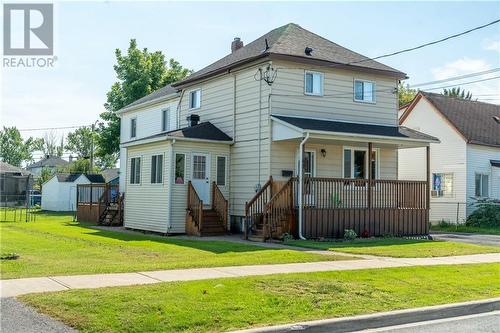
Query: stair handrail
x=220 y=204
x=256 y=204
x=281 y=203
x=195 y=205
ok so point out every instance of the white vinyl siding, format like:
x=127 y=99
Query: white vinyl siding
x=195 y=99
x=364 y=91
x=313 y=83
x=156 y=169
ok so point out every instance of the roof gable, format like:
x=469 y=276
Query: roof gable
x=50 y=161
x=472 y=119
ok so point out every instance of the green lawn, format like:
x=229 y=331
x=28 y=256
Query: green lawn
x=236 y=303
x=397 y=247
x=55 y=245
x=464 y=228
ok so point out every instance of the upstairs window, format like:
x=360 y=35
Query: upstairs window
x=195 y=99
x=135 y=170
x=442 y=185
x=482 y=185
x=313 y=83
x=133 y=127
x=156 y=169
x=364 y=91
x=165 y=120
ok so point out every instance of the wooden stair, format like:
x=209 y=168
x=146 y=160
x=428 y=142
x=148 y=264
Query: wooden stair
x=212 y=224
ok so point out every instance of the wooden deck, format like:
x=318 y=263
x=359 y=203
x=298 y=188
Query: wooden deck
x=99 y=203
x=332 y=205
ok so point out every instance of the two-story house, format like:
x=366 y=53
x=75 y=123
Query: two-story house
x=465 y=166
x=290 y=133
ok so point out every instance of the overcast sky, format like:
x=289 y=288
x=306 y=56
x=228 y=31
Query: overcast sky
x=196 y=34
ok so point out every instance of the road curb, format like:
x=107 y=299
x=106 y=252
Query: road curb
x=384 y=319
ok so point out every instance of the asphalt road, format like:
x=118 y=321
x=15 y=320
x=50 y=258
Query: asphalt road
x=18 y=318
x=480 y=323
x=467 y=238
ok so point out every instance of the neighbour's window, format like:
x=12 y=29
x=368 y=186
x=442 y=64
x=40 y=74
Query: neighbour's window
x=356 y=163
x=364 y=91
x=135 y=170
x=180 y=166
x=482 y=184
x=165 y=119
x=313 y=83
x=133 y=127
x=195 y=99
x=156 y=169
x=221 y=170
x=442 y=185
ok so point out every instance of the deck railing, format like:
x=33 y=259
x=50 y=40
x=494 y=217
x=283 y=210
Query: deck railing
x=195 y=206
x=255 y=207
x=220 y=205
x=279 y=211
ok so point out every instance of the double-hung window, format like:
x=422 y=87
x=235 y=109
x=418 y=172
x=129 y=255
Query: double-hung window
x=442 y=185
x=313 y=83
x=356 y=163
x=364 y=91
x=156 y=169
x=221 y=170
x=133 y=127
x=165 y=120
x=482 y=185
x=195 y=99
x=135 y=170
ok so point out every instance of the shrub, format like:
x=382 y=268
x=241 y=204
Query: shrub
x=487 y=214
x=350 y=234
x=286 y=237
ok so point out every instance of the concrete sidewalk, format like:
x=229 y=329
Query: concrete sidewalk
x=15 y=287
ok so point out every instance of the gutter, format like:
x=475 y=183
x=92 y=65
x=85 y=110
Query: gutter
x=147 y=103
x=301 y=184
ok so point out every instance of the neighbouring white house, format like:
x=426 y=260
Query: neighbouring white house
x=59 y=192
x=289 y=133
x=51 y=163
x=465 y=165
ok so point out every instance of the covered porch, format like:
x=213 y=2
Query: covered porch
x=329 y=176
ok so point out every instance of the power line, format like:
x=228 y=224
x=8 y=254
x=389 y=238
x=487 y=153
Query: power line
x=465 y=83
x=424 y=45
x=50 y=128
x=465 y=76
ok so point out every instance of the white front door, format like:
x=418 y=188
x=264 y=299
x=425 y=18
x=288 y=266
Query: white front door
x=201 y=176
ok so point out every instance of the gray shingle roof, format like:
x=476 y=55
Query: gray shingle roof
x=397 y=132
x=110 y=174
x=203 y=131
x=8 y=168
x=474 y=120
x=51 y=161
x=167 y=90
x=291 y=40
x=71 y=177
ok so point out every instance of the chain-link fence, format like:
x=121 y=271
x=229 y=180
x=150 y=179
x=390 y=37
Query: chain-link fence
x=18 y=200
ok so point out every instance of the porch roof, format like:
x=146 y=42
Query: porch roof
x=301 y=126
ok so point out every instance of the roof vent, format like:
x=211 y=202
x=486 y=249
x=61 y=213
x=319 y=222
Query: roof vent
x=497 y=119
x=308 y=51
x=193 y=119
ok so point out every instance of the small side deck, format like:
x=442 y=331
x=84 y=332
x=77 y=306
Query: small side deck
x=99 y=203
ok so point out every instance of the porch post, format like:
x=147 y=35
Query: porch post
x=427 y=187
x=370 y=175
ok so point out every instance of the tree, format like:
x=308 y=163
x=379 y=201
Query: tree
x=14 y=150
x=50 y=146
x=458 y=93
x=139 y=73
x=80 y=142
x=405 y=94
x=45 y=175
x=81 y=165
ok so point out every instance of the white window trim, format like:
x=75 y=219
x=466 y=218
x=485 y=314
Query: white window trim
x=322 y=76
x=140 y=171
x=489 y=185
x=225 y=171
x=167 y=117
x=131 y=119
x=362 y=100
x=162 y=173
x=452 y=195
x=367 y=162
x=185 y=170
x=189 y=99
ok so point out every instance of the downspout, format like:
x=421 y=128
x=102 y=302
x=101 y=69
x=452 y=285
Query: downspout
x=301 y=183
x=170 y=189
x=260 y=121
